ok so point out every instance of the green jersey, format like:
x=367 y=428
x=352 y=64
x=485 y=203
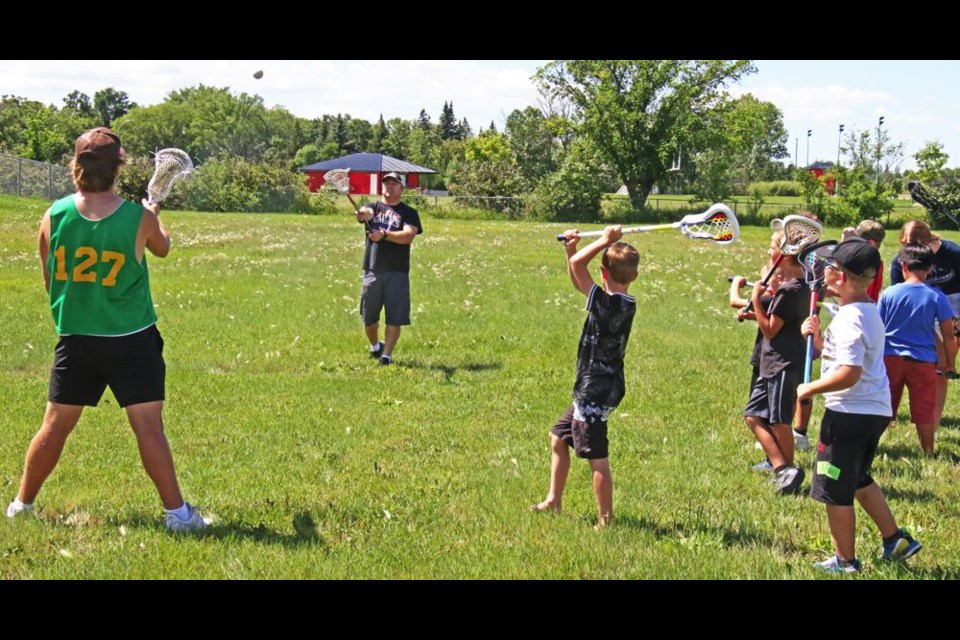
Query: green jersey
x=97 y=287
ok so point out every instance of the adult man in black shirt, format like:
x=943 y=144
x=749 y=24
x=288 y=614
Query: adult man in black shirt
x=386 y=266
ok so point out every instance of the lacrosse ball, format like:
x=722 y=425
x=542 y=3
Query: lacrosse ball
x=258 y=74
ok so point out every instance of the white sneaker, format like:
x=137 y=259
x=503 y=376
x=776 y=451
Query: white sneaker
x=194 y=522
x=16 y=508
x=800 y=441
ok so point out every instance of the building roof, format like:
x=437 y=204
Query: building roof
x=371 y=162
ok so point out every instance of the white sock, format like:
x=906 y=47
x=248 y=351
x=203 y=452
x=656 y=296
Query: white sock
x=375 y=347
x=21 y=505
x=182 y=512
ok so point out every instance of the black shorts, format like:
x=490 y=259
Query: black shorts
x=773 y=399
x=132 y=366
x=385 y=289
x=589 y=440
x=848 y=442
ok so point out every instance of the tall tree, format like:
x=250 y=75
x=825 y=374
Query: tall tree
x=423 y=120
x=380 y=133
x=631 y=109
x=532 y=142
x=80 y=103
x=111 y=104
x=448 y=123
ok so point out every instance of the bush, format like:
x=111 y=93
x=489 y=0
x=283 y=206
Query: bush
x=775 y=188
x=571 y=193
x=235 y=184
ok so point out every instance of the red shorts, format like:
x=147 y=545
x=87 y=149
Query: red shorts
x=920 y=378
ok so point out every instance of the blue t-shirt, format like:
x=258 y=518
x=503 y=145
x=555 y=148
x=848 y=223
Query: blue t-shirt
x=910 y=313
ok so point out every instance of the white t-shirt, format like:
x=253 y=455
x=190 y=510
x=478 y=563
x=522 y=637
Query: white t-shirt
x=855 y=337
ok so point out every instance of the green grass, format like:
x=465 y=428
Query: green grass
x=318 y=464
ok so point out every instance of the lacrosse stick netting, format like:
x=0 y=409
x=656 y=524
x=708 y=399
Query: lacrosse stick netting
x=170 y=165
x=814 y=258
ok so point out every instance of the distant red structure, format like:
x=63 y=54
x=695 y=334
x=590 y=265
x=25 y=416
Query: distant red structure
x=820 y=168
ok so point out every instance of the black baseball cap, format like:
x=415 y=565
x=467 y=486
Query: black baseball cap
x=856 y=255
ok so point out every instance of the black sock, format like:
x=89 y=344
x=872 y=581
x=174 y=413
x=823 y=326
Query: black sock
x=892 y=538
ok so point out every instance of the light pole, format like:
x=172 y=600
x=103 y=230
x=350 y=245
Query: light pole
x=796 y=154
x=879 y=124
x=839 y=139
x=809 y=132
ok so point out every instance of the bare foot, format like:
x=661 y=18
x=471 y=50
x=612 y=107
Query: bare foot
x=603 y=524
x=546 y=505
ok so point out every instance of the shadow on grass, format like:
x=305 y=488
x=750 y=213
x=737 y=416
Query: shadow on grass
x=943 y=452
x=448 y=370
x=912 y=495
x=304 y=534
x=739 y=536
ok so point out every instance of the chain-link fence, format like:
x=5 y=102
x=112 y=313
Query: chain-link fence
x=29 y=178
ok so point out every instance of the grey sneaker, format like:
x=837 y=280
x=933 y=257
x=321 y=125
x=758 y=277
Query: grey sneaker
x=194 y=521
x=789 y=480
x=17 y=508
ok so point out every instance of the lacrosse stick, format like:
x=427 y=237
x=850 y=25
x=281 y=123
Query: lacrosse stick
x=339 y=179
x=169 y=166
x=798 y=232
x=920 y=195
x=813 y=260
x=718 y=223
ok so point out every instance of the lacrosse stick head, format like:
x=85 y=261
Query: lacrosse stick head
x=813 y=257
x=798 y=232
x=170 y=165
x=718 y=223
x=339 y=179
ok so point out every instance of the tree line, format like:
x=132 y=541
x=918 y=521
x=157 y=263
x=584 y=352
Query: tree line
x=599 y=124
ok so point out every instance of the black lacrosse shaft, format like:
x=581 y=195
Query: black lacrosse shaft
x=766 y=281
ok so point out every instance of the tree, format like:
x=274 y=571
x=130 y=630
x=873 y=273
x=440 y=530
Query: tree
x=464 y=131
x=80 y=103
x=423 y=120
x=447 y=125
x=533 y=143
x=632 y=109
x=111 y=104
x=931 y=161
x=380 y=133
x=397 y=141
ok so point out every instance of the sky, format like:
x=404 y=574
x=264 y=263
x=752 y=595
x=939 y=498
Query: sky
x=917 y=98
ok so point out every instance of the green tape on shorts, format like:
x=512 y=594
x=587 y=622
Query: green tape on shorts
x=826 y=469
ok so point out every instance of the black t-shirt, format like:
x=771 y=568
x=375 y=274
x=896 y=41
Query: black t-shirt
x=765 y=301
x=946 y=269
x=787 y=350
x=386 y=255
x=603 y=343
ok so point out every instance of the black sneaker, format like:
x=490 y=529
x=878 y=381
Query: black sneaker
x=789 y=480
x=375 y=354
x=385 y=360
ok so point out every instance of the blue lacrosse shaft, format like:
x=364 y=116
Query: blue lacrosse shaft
x=808 y=363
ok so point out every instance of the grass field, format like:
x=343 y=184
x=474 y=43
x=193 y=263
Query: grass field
x=315 y=463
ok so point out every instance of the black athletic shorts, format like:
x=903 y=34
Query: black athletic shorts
x=848 y=442
x=132 y=366
x=589 y=440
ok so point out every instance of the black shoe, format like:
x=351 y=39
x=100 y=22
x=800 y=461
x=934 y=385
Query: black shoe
x=385 y=360
x=376 y=353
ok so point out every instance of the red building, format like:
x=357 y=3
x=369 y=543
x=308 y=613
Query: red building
x=366 y=171
x=820 y=168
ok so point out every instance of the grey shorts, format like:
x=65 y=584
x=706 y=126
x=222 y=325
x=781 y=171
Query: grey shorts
x=388 y=290
x=773 y=399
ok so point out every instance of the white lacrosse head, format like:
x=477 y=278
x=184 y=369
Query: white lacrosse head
x=718 y=223
x=170 y=165
x=798 y=232
x=339 y=179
